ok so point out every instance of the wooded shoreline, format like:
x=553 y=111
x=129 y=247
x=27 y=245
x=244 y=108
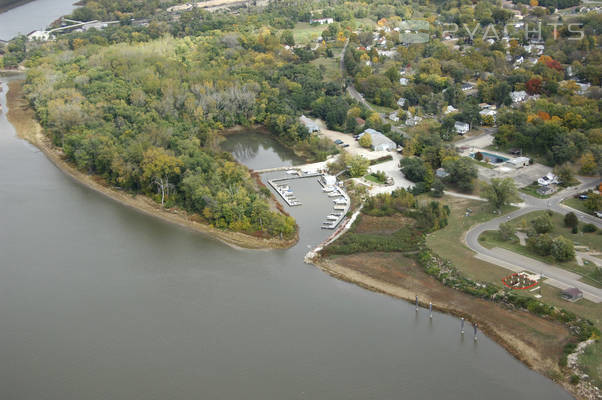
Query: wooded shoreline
x=22 y=118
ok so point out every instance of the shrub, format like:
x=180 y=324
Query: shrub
x=542 y=224
x=478 y=156
x=562 y=249
x=570 y=220
x=589 y=228
x=575 y=230
x=506 y=231
x=541 y=244
x=574 y=379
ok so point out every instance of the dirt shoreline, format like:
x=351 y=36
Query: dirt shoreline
x=520 y=349
x=22 y=118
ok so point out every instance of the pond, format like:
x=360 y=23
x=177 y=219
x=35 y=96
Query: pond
x=258 y=150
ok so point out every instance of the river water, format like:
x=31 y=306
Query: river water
x=36 y=15
x=98 y=301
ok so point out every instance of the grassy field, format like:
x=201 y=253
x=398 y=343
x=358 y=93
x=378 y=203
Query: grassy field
x=590 y=273
x=329 y=67
x=305 y=33
x=576 y=204
x=448 y=242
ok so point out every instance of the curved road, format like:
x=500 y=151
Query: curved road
x=555 y=276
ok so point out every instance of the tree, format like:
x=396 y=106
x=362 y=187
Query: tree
x=500 y=192
x=437 y=188
x=562 y=249
x=565 y=175
x=542 y=224
x=507 y=231
x=365 y=141
x=541 y=244
x=570 y=220
x=462 y=173
x=157 y=168
x=414 y=169
x=358 y=166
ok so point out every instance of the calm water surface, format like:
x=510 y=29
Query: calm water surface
x=100 y=302
x=258 y=151
x=36 y=15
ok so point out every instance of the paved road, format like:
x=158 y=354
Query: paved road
x=555 y=276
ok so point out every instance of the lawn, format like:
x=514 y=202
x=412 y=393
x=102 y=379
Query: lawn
x=449 y=241
x=329 y=67
x=590 y=273
x=305 y=33
x=373 y=178
x=531 y=190
x=576 y=204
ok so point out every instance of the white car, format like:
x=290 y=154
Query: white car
x=598 y=214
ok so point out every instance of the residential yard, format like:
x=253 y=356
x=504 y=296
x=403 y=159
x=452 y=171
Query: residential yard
x=531 y=190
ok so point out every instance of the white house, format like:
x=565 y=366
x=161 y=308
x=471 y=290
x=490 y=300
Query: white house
x=450 y=109
x=379 y=141
x=394 y=117
x=518 y=162
x=488 y=112
x=402 y=101
x=467 y=86
x=549 y=179
x=403 y=81
x=519 y=96
x=39 y=35
x=322 y=21
x=461 y=127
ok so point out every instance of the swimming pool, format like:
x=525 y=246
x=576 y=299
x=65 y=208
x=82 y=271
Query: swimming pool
x=492 y=158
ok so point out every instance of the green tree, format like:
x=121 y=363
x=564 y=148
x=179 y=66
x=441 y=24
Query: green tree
x=365 y=141
x=570 y=220
x=563 y=249
x=358 y=166
x=462 y=173
x=507 y=231
x=500 y=192
x=542 y=224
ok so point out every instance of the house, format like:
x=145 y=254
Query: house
x=321 y=21
x=309 y=124
x=403 y=81
x=583 y=88
x=441 y=173
x=379 y=141
x=518 y=162
x=461 y=127
x=413 y=121
x=488 y=112
x=549 y=179
x=402 y=101
x=449 y=110
x=39 y=35
x=466 y=86
x=571 y=294
x=519 y=96
x=394 y=117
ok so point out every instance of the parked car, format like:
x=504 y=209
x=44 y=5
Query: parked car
x=346 y=145
x=583 y=197
x=338 y=141
x=598 y=214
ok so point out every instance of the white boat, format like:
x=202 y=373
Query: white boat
x=341 y=201
x=333 y=194
x=328 y=189
x=284 y=188
x=332 y=217
x=292 y=172
x=340 y=207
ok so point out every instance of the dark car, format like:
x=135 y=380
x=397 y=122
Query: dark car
x=583 y=197
x=338 y=141
x=346 y=145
